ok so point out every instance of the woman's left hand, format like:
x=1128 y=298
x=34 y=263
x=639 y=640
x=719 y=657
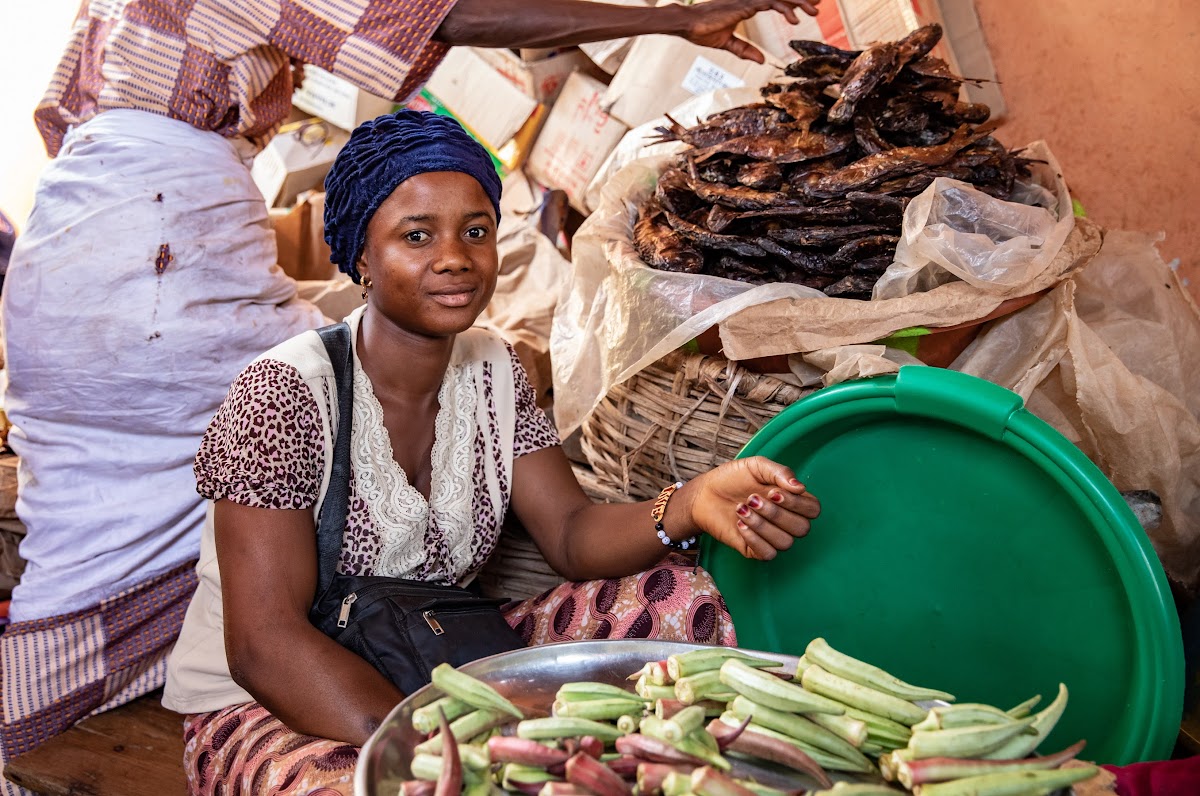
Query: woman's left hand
x=712 y=24
x=753 y=505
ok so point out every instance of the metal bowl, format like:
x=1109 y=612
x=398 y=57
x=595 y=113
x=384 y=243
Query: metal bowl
x=529 y=677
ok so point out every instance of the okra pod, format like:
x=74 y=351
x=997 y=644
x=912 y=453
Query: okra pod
x=774 y=749
x=482 y=787
x=965 y=741
x=470 y=690
x=425 y=719
x=655 y=750
x=417 y=787
x=599 y=709
x=450 y=778
x=845 y=666
x=580 y=692
x=590 y=745
x=1010 y=784
x=758 y=789
x=563 y=789
x=625 y=766
x=651 y=692
x=849 y=729
x=474 y=756
x=685 y=722
x=827 y=684
x=504 y=749
x=878 y=726
x=802 y=663
x=690 y=663
x=666 y=708
x=1025 y=708
x=794 y=726
x=565 y=727
x=655 y=727
x=1043 y=722
x=464 y=728
x=701 y=685
x=964 y=715
x=707 y=781
x=627 y=724
x=676 y=784
x=700 y=744
x=824 y=758
x=426 y=766
x=855 y=789
x=589 y=773
x=650 y=776
x=942 y=769
x=766 y=689
x=514 y=775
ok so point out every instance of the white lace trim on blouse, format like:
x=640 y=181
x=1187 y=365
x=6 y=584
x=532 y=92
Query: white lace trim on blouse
x=404 y=520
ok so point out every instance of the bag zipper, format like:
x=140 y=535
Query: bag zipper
x=433 y=623
x=344 y=614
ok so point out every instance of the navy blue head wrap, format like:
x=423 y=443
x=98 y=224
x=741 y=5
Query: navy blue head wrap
x=381 y=154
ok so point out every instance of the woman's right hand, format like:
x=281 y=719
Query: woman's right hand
x=755 y=505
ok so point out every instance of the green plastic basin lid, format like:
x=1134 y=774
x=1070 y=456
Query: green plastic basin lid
x=965 y=545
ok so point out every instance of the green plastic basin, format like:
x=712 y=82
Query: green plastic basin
x=966 y=545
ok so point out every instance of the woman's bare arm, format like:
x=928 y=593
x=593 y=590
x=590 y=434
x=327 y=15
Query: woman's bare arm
x=557 y=23
x=268 y=563
x=582 y=540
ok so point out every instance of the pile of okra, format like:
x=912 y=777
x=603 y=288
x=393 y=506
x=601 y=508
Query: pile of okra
x=722 y=722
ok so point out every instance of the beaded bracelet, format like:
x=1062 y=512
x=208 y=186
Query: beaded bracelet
x=656 y=514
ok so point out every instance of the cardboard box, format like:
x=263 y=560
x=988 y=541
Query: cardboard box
x=499 y=115
x=542 y=78
x=662 y=71
x=296 y=160
x=577 y=137
x=771 y=32
x=336 y=100
x=303 y=253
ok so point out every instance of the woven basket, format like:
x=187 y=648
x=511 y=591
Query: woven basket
x=517 y=568
x=678 y=418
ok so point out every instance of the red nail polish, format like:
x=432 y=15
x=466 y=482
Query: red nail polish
x=775 y=496
x=742 y=525
x=755 y=502
x=743 y=511
x=794 y=482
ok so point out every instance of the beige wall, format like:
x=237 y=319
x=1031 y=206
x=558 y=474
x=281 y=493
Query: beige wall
x=1114 y=87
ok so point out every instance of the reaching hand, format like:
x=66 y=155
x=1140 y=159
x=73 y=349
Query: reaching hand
x=713 y=22
x=754 y=505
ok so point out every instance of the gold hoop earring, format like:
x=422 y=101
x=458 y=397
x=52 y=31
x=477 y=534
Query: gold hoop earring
x=366 y=285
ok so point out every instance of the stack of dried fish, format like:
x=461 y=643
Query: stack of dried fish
x=809 y=186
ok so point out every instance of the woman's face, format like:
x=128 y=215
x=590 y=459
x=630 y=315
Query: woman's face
x=430 y=253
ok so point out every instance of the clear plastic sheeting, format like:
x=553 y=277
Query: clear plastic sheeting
x=618 y=315
x=955 y=231
x=642 y=141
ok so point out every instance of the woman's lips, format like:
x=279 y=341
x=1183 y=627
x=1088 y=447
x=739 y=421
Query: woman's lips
x=454 y=297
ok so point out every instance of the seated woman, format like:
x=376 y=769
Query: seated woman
x=446 y=439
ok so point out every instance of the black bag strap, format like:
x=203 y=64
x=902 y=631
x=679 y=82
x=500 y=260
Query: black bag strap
x=331 y=522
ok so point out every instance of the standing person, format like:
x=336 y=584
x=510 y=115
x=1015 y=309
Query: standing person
x=445 y=439
x=146 y=280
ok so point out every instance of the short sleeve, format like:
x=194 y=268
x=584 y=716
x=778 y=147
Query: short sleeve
x=264 y=448
x=534 y=430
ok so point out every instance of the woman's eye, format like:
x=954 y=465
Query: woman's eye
x=477 y=232
x=416 y=236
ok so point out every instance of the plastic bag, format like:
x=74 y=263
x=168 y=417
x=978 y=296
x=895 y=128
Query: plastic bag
x=618 y=315
x=953 y=230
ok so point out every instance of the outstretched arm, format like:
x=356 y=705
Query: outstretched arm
x=753 y=505
x=557 y=23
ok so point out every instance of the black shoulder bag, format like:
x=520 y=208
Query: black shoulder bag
x=402 y=627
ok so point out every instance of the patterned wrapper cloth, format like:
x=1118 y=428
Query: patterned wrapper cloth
x=244 y=749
